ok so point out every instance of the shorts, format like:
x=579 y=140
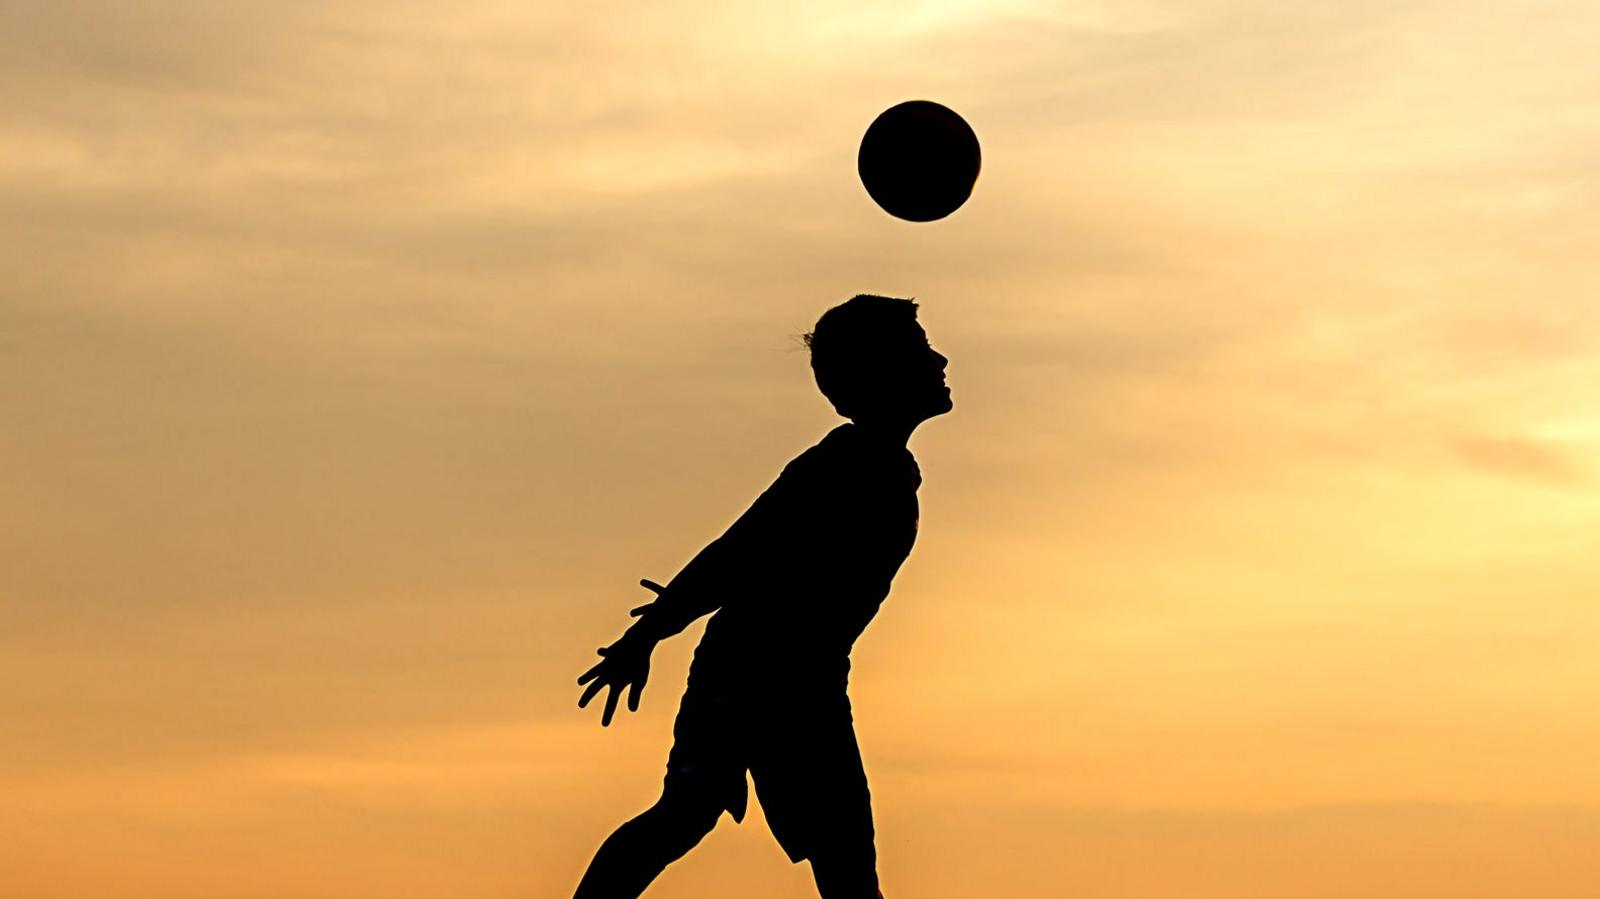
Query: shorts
x=801 y=754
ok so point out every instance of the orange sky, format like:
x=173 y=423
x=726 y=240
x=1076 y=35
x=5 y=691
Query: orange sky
x=356 y=359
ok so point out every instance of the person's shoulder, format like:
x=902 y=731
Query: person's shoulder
x=822 y=455
x=849 y=452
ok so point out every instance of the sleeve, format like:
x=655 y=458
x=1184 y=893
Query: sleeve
x=730 y=564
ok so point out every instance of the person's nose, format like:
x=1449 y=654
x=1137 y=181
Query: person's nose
x=943 y=361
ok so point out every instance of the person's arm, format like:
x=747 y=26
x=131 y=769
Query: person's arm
x=718 y=573
x=713 y=578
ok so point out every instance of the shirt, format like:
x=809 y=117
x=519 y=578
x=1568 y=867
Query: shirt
x=798 y=577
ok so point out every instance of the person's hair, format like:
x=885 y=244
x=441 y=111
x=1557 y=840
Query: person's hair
x=848 y=346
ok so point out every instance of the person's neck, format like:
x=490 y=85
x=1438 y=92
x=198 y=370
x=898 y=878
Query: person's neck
x=887 y=432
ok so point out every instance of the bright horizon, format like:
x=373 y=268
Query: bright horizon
x=357 y=359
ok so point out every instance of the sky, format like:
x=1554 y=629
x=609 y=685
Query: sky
x=357 y=358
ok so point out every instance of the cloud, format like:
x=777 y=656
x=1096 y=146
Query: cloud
x=1524 y=458
x=356 y=358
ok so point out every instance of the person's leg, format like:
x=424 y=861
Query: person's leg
x=846 y=872
x=642 y=848
x=813 y=789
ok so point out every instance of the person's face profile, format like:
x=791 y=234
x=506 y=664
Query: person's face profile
x=918 y=373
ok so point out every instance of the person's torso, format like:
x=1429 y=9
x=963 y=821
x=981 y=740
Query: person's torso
x=850 y=521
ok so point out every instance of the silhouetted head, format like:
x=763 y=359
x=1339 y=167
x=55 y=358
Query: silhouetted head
x=873 y=362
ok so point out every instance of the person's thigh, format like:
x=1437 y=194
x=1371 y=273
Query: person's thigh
x=707 y=760
x=813 y=788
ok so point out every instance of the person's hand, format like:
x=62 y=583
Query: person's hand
x=625 y=664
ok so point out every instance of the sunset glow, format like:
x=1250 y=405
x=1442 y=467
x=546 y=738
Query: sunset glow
x=358 y=358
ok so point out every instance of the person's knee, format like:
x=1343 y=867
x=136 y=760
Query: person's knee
x=688 y=814
x=846 y=872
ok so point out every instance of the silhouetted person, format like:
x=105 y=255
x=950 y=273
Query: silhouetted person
x=792 y=584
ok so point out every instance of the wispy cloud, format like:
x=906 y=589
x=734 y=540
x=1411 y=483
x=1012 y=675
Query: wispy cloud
x=356 y=358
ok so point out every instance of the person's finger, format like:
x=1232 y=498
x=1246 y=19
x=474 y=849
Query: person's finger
x=603 y=651
x=635 y=613
x=590 y=674
x=651 y=585
x=588 y=694
x=611 y=705
x=633 y=694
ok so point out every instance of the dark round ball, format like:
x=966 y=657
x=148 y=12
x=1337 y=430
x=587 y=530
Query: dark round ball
x=919 y=161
